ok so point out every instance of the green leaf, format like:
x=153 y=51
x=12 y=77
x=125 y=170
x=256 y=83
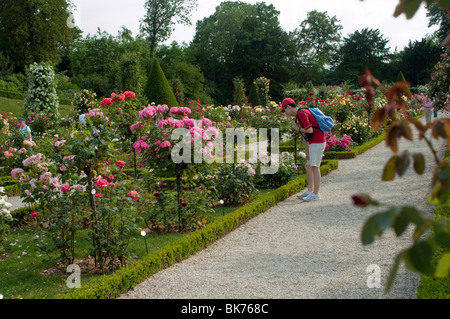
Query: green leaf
x=413 y=215
x=419 y=163
x=411 y=7
x=376 y=225
x=389 y=169
x=419 y=258
x=402 y=163
x=443 y=267
x=444 y=4
x=400 y=224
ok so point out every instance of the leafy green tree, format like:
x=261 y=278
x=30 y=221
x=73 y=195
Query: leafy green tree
x=130 y=76
x=360 y=50
x=34 y=30
x=110 y=63
x=439 y=17
x=162 y=15
x=317 y=39
x=241 y=40
x=158 y=89
x=418 y=59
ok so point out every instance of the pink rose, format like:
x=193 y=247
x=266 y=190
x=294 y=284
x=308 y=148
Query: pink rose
x=15 y=172
x=166 y=144
x=101 y=183
x=139 y=145
x=134 y=195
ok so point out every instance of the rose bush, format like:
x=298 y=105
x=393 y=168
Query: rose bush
x=5 y=217
x=439 y=86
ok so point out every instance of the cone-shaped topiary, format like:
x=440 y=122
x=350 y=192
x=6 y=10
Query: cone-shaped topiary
x=401 y=78
x=158 y=89
x=253 y=97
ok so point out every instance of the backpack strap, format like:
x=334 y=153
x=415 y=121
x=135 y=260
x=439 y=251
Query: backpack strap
x=309 y=118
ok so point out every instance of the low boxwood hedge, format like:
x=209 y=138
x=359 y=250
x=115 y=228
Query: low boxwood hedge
x=430 y=287
x=344 y=154
x=124 y=279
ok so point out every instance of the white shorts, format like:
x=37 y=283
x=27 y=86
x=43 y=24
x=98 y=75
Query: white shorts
x=315 y=154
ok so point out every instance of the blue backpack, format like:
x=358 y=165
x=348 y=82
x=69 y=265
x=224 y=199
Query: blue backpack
x=326 y=123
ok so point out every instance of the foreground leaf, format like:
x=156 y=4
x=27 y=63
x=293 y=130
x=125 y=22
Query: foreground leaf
x=402 y=163
x=419 y=163
x=419 y=258
x=376 y=225
x=443 y=267
x=389 y=169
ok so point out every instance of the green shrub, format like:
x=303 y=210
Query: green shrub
x=158 y=89
x=430 y=287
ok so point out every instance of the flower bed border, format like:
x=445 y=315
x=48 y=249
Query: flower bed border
x=124 y=279
x=429 y=287
x=345 y=155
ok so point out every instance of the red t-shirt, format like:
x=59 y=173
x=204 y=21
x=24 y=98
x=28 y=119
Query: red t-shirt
x=307 y=120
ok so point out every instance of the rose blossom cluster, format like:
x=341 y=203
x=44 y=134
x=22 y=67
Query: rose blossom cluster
x=97 y=113
x=108 y=101
x=39 y=177
x=180 y=110
x=335 y=141
x=198 y=130
x=151 y=110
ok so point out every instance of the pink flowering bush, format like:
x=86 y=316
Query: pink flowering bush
x=156 y=145
x=77 y=186
x=337 y=144
x=439 y=86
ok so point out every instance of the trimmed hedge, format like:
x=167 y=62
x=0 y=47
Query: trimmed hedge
x=12 y=95
x=357 y=150
x=20 y=215
x=21 y=96
x=124 y=279
x=430 y=287
x=343 y=155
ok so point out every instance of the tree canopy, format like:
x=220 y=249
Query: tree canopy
x=34 y=30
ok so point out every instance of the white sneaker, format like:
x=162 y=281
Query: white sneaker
x=311 y=197
x=304 y=195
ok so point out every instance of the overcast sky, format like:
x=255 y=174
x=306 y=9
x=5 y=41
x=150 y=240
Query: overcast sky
x=111 y=15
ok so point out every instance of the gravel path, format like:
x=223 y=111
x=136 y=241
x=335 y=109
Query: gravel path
x=299 y=250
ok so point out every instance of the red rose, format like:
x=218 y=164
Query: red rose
x=120 y=164
x=64 y=188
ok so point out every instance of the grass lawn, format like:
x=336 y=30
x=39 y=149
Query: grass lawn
x=15 y=107
x=22 y=266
